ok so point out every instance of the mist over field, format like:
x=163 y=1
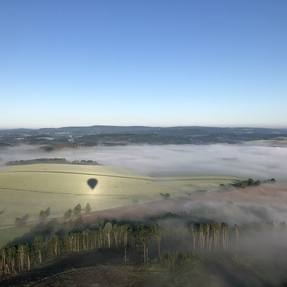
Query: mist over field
x=258 y=204
x=246 y=207
x=172 y=160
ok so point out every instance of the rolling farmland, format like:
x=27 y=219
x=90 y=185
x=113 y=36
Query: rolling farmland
x=28 y=189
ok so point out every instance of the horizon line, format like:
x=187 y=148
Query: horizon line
x=148 y=126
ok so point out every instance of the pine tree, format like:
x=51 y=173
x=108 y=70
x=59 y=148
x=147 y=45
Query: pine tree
x=68 y=214
x=88 y=208
x=77 y=210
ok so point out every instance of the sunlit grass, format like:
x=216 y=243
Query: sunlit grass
x=28 y=189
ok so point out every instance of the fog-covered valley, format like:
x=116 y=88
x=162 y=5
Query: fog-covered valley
x=171 y=160
x=259 y=212
x=256 y=204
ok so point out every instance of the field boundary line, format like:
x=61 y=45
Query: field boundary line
x=152 y=179
x=62 y=193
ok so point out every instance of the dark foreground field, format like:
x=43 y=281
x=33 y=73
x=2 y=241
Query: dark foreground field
x=105 y=268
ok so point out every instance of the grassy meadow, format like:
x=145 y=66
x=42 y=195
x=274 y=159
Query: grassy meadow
x=28 y=189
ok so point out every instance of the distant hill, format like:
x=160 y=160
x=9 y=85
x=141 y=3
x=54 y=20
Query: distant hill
x=124 y=135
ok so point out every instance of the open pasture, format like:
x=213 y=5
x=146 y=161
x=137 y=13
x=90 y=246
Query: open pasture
x=28 y=189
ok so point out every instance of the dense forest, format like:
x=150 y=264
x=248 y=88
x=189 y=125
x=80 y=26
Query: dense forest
x=139 y=242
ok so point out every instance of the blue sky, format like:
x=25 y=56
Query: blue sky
x=143 y=62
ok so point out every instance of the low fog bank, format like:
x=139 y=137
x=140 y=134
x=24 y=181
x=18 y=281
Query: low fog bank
x=172 y=160
x=257 y=260
x=265 y=203
x=262 y=204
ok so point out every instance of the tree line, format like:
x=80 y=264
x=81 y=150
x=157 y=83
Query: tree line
x=147 y=240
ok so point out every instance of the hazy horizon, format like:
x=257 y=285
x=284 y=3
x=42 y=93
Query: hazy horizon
x=139 y=125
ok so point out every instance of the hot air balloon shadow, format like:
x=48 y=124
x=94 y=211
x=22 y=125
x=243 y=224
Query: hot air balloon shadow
x=92 y=182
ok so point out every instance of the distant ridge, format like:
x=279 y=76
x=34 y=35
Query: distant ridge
x=72 y=137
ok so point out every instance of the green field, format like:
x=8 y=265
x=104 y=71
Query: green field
x=28 y=189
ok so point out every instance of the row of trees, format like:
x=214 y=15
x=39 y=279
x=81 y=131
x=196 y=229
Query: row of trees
x=149 y=241
x=214 y=236
x=23 y=220
x=22 y=257
x=250 y=182
x=45 y=214
x=77 y=211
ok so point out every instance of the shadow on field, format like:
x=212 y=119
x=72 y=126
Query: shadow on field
x=70 y=262
x=105 y=268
